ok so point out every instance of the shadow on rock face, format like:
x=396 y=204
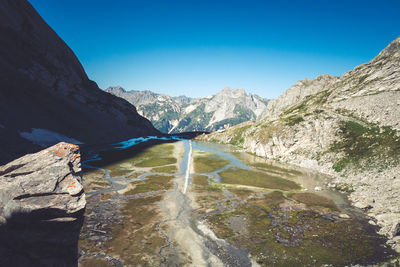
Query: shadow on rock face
x=27 y=240
x=42 y=203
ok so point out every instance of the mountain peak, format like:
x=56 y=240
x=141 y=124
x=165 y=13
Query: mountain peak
x=392 y=49
x=116 y=88
x=325 y=77
x=228 y=90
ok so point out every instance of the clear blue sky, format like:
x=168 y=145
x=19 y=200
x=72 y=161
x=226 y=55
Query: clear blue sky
x=197 y=47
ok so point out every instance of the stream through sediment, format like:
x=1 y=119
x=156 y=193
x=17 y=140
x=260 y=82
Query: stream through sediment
x=214 y=224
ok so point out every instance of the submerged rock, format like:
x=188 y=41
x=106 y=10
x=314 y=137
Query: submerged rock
x=344 y=216
x=41 y=208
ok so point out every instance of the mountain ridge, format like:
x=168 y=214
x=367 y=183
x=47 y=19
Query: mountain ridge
x=182 y=114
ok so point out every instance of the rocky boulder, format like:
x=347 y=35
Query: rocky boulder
x=41 y=208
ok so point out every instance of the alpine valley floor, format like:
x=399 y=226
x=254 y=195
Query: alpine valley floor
x=177 y=202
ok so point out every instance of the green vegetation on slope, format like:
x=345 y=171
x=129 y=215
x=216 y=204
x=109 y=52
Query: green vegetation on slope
x=264 y=132
x=293 y=120
x=366 y=145
x=237 y=134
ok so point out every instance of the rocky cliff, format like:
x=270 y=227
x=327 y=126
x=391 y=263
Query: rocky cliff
x=43 y=86
x=41 y=208
x=297 y=93
x=347 y=127
x=183 y=114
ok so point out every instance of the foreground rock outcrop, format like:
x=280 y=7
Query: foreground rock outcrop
x=44 y=88
x=41 y=208
x=347 y=127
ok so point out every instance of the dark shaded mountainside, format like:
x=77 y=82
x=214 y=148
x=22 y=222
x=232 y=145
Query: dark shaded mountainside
x=44 y=87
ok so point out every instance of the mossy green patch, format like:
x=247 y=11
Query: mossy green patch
x=152 y=183
x=117 y=171
x=258 y=179
x=274 y=168
x=310 y=101
x=135 y=174
x=270 y=200
x=152 y=162
x=218 y=221
x=344 y=187
x=165 y=169
x=143 y=188
x=154 y=156
x=241 y=193
x=201 y=180
x=136 y=240
x=293 y=120
x=277 y=237
x=106 y=196
x=208 y=162
x=314 y=200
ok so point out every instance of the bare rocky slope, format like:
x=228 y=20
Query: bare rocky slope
x=347 y=127
x=44 y=87
x=41 y=208
x=183 y=114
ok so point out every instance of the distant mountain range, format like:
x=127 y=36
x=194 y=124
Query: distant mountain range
x=182 y=114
